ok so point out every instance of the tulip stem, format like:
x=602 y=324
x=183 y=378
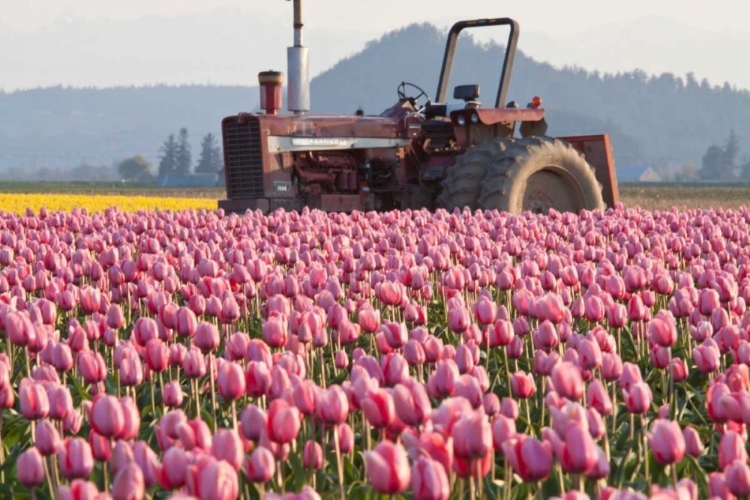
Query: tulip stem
x=234 y=414
x=528 y=417
x=105 y=477
x=338 y=460
x=673 y=468
x=52 y=489
x=322 y=368
x=161 y=393
x=28 y=364
x=2 y=448
x=507 y=370
x=213 y=390
x=153 y=401
x=194 y=389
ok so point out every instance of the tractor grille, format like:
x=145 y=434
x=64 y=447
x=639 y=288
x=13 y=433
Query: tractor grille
x=244 y=158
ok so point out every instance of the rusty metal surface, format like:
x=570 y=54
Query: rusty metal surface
x=340 y=202
x=491 y=116
x=331 y=126
x=597 y=150
x=241 y=205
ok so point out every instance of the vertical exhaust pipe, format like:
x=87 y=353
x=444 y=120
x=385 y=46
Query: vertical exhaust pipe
x=298 y=89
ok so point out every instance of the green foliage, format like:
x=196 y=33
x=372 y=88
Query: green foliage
x=136 y=168
x=184 y=158
x=720 y=163
x=210 y=158
x=168 y=162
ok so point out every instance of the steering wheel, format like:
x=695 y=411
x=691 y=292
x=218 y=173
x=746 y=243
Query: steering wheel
x=413 y=100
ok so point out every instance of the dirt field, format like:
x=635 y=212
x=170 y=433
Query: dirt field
x=682 y=197
x=649 y=197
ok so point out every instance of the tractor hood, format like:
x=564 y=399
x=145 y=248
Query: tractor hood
x=335 y=132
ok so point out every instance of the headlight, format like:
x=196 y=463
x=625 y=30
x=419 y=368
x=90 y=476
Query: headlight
x=461 y=121
x=474 y=118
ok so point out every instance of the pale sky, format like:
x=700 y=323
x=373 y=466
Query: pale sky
x=46 y=42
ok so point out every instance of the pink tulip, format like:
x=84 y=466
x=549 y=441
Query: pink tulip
x=731 y=448
x=173 y=394
x=378 y=408
x=411 y=402
x=738 y=478
x=567 y=380
x=33 y=400
x=231 y=380
x=218 y=481
x=369 y=320
x=693 y=444
x=173 y=468
x=206 y=337
x=667 y=442
x=472 y=436
x=523 y=384
x=598 y=397
x=332 y=405
x=578 y=450
x=30 y=468
x=429 y=480
x=638 y=399
x=283 y=422
x=75 y=458
x=387 y=468
x=227 y=446
x=530 y=459
x=48 y=440
x=312 y=455
x=129 y=483
x=107 y=417
x=260 y=467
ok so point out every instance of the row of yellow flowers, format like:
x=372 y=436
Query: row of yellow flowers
x=19 y=203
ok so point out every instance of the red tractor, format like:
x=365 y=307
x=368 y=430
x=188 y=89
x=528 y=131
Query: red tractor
x=417 y=153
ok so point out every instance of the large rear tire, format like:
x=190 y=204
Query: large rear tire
x=462 y=184
x=537 y=174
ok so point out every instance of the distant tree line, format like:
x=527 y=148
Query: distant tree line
x=723 y=163
x=175 y=158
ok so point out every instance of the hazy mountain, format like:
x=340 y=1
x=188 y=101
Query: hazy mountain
x=651 y=119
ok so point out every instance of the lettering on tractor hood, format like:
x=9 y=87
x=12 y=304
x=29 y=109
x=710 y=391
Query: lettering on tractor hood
x=279 y=143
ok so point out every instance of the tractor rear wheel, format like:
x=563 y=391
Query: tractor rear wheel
x=462 y=184
x=539 y=173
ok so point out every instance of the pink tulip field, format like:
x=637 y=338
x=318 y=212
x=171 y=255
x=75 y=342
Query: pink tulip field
x=413 y=354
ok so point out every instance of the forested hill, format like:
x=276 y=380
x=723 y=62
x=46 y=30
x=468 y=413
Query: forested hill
x=653 y=120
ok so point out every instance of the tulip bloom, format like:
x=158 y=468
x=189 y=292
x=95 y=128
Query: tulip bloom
x=429 y=480
x=523 y=384
x=530 y=458
x=387 y=468
x=76 y=458
x=260 y=467
x=667 y=442
x=129 y=483
x=567 y=380
x=107 y=417
x=30 y=468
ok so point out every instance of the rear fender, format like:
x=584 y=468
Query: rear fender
x=597 y=149
x=472 y=126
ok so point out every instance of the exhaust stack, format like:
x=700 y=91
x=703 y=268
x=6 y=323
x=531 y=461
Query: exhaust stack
x=298 y=88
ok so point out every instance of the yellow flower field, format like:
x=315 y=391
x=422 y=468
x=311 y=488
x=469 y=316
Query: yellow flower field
x=18 y=203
